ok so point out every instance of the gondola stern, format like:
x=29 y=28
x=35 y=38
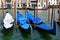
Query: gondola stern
x=54 y=27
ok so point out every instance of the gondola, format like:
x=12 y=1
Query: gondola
x=8 y=21
x=40 y=24
x=23 y=22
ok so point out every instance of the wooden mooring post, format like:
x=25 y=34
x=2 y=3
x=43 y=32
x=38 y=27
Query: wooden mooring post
x=59 y=15
x=25 y=9
x=2 y=9
x=49 y=12
x=54 y=14
x=15 y=13
x=37 y=10
x=15 y=10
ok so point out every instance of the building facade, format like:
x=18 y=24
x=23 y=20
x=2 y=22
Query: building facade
x=52 y=2
x=0 y=3
x=29 y=3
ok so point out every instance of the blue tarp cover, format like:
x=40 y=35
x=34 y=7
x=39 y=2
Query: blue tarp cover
x=37 y=20
x=25 y=26
x=21 y=19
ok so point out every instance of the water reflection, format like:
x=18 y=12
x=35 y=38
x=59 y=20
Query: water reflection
x=26 y=35
x=44 y=35
x=7 y=34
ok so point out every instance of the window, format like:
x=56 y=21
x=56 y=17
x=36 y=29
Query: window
x=29 y=5
x=18 y=5
x=39 y=5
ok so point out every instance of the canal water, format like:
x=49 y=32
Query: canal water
x=17 y=34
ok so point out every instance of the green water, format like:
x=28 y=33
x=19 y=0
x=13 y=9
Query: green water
x=17 y=34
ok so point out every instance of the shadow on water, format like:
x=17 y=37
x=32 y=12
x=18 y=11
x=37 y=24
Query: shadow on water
x=26 y=35
x=7 y=34
x=44 y=35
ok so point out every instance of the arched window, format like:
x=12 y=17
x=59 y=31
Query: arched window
x=18 y=5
